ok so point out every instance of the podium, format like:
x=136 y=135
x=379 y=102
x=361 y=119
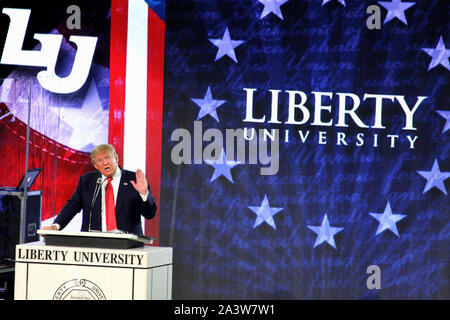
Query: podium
x=92 y=266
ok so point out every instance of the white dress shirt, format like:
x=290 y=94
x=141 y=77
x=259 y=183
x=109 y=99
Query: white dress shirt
x=115 y=184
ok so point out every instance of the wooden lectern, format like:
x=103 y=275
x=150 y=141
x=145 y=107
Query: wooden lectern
x=92 y=266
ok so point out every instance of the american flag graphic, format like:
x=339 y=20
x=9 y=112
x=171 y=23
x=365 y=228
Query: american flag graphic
x=357 y=92
x=120 y=102
x=136 y=90
x=349 y=194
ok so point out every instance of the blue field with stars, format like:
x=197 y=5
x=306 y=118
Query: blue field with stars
x=360 y=117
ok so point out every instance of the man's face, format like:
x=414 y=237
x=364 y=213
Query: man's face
x=106 y=163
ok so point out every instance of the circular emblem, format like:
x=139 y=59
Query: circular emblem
x=79 y=289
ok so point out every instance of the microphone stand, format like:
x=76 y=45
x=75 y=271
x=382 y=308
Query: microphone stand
x=96 y=191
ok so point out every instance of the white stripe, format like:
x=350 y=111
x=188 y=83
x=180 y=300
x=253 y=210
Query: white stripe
x=135 y=114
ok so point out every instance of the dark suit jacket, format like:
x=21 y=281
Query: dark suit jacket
x=129 y=204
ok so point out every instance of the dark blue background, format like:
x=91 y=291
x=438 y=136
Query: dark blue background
x=217 y=252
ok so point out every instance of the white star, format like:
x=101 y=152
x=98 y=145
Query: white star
x=272 y=6
x=222 y=167
x=439 y=55
x=388 y=220
x=226 y=46
x=435 y=178
x=89 y=124
x=446 y=116
x=396 y=9
x=325 y=232
x=265 y=213
x=326 y=1
x=208 y=105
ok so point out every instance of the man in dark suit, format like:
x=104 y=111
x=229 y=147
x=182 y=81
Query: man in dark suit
x=122 y=198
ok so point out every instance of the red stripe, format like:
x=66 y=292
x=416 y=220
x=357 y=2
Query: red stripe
x=117 y=74
x=155 y=82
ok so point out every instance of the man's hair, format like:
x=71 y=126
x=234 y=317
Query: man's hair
x=103 y=148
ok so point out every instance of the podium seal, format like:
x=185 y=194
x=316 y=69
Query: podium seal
x=79 y=289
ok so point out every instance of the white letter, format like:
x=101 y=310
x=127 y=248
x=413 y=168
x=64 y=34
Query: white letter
x=274 y=116
x=303 y=137
x=409 y=113
x=318 y=107
x=378 y=108
x=270 y=135
x=80 y=69
x=249 y=108
x=351 y=112
x=293 y=106
x=392 y=136
x=341 y=138
x=246 y=137
x=411 y=142
x=322 y=137
x=360 y=137
x=12 y=50
x=286 y=135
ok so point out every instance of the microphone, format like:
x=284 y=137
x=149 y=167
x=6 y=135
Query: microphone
x=98 y=185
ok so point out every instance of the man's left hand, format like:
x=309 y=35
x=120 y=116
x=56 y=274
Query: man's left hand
x=141 y=183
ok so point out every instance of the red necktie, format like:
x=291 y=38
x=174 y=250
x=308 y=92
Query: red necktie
x=110 y=207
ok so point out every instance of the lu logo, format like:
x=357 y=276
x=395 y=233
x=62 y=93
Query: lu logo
x=47 y=56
